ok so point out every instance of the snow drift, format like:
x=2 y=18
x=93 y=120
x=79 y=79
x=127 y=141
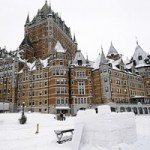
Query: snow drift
x=105 y=128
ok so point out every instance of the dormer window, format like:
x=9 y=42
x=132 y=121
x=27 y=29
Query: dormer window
x=140 y=57
x=110 y=64
x=80 y=62
x=147 y=61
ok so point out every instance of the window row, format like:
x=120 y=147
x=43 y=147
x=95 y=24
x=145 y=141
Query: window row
x=81 y=100
x=61 y=81
x=61 y=100
x=80 y=74
x=59 y=72
x=60 y=90
x=32 y=103
x=32 y=85
x=33 y=77
x=118 y=90
x=60 y=62
x=5 y=91
x=33 y=93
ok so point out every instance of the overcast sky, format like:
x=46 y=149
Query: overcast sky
x=94 y=22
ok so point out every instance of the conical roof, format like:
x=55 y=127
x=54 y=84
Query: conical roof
x=97 y=62
x=112 y=50
x=139 y=55
x=103 y=58
x=78 y=59
x=28 y=20
x=26 y=41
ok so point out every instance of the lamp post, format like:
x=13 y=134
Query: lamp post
x=23 y=104
x=3 y=106
x=23 y=118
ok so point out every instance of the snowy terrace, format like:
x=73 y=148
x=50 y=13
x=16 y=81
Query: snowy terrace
x=22 y=137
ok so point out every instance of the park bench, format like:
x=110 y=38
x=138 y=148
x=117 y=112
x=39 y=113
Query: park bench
x=61 y=138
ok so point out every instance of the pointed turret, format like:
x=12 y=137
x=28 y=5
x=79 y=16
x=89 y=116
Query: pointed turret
x=102 y=58
x=112 y=50
x=139 y=56
x=26 y=41
x=113 y=53
x=50 y=8
x=45 y=8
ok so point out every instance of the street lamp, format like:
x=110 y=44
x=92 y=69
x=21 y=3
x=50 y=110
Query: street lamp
x=3 y=106
x=23 y=118
x=23 y=109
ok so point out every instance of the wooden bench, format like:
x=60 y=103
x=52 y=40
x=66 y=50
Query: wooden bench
x=59 y=134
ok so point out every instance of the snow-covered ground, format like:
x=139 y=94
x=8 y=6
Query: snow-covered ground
x=14 y=136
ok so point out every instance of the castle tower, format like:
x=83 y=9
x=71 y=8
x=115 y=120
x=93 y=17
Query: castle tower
x=105 y=79
x=59 y=81
x=45 y=29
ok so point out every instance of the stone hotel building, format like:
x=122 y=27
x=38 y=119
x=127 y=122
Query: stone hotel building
x=51 y=75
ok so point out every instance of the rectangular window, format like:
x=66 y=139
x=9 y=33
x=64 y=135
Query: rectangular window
x=81 y=87
x=106 y=89
x=45 y=83
x=61 y=62
x=57 y=72
x=45 y=75
x=62 y=100
x=54 y=63
x=58 y=90
x=40 y=92
x=80 y=74
x=40 y=84
x=61 y=90
x=61 y=72
x=58 y=81
x=60 y=56
x=58 y=100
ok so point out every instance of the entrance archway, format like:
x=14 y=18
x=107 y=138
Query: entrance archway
x=140 y=110
x=135 y=110
x=122 y=109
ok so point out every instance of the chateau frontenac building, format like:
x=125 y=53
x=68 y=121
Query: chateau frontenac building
x=51 y=75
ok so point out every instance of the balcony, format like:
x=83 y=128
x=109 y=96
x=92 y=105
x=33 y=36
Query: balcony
x=81 y=77
x=62 y=107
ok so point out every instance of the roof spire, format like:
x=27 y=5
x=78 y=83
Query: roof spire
x=101 y=48
x=27 y=20
x=137 y=41
x=74 y=39
x=111 y=43
x=87 y=60
x=50 y=8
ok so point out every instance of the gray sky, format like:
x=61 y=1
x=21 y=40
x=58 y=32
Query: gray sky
x=94 y=22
